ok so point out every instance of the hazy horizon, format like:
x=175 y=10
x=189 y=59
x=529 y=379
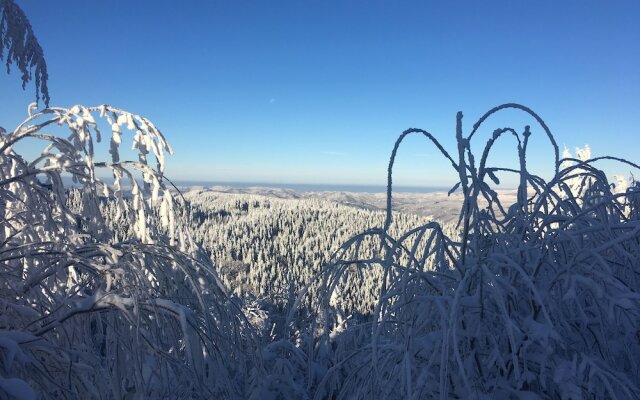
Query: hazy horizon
x=313 y=186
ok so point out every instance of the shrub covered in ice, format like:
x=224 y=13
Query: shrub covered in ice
x=538 y=299
x=84 y=315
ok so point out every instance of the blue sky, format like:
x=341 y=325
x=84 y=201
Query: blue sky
x=317 y=91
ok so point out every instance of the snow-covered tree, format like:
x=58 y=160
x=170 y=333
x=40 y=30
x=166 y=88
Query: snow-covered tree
x=19 y=47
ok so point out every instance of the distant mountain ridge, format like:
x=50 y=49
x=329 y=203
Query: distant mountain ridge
x=439 y=205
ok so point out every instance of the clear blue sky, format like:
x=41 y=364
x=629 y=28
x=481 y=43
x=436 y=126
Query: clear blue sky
x=317 y=91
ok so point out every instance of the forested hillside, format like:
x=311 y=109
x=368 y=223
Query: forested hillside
x=267 y=249
x=271 y=247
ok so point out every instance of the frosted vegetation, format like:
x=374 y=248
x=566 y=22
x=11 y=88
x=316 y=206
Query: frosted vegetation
x=105 y=291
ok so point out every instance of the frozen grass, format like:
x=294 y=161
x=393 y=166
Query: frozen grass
x=538 y=299
x=85 y=316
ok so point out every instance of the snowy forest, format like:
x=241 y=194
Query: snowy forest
x=126 y=288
